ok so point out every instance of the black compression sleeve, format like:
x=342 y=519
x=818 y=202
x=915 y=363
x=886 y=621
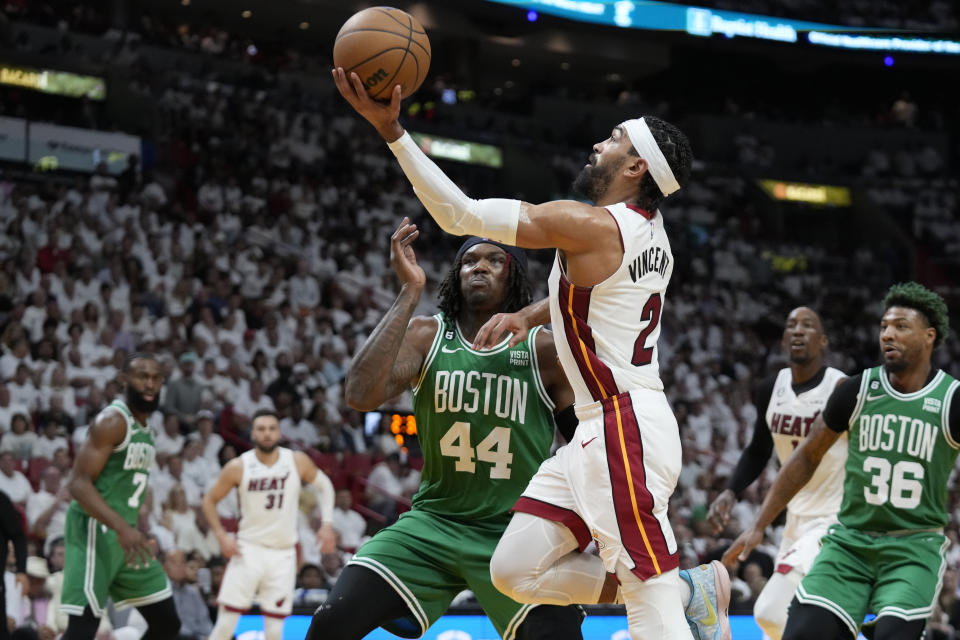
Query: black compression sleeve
x=566 y=421
x=841 y=404
x=954 y=416
x=756 y=455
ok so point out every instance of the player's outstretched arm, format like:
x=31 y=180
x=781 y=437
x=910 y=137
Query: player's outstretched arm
x=390 y=359
x=107 y=431
x=791 y=478
x=310 y=474
x=230 y=477
x=563 y=224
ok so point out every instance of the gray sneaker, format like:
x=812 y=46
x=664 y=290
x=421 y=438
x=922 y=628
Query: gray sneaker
x=709 y=601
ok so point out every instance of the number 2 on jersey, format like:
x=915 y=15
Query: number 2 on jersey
x=642 y=354
x=495 y=448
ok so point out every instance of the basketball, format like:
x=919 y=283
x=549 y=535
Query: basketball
x=385 y=47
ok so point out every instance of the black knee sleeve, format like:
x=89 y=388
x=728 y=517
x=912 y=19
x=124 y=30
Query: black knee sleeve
x=810 y=622
x=550 y=622
x=360 y=602
x=891 y=628
x=163 y=623
x=83 y=627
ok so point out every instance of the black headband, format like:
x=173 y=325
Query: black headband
x=517 y=253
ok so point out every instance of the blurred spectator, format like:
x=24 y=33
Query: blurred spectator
x=210 y=442
x=385 y=486
x=51 y=439
x=21 y=438
x=12 y=482
x=47 y=507
x=349 y=525
x=184 y=394
x=31 y=611
x=312 y=587
x=9 y=409
x=195 y=621
x=170 y=441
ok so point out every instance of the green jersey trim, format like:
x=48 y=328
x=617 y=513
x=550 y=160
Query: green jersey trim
x=829 y=605
x=90 y=569
x=127 y=434
x=921 y=612
x=408 y=597
x=910 y=396
x=535 y=367
x=861 y=399
x=432 y=353
x=511 y=631
x=945 y=415
x=466 y=345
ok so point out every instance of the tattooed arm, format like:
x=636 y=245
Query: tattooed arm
x=391 y=358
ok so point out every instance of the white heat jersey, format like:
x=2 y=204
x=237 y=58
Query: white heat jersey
x=606 y=335
x=790 y=417
x=269 y=500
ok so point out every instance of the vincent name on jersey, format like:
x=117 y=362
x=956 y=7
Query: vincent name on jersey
x=267 y=484
x=476 y=392
x=889 y=432
x=140 y=456
x=652 y=259
x=792 y=425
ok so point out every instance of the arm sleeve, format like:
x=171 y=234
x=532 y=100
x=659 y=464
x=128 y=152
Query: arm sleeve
x=325 y=499
x=12 y=530
x=841 y=404
x=954 y=416
x=756 y=455
x=494 y=218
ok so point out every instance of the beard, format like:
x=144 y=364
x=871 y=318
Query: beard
x=593 y=180
x=800 y=359
x=137 y=402
x=269 y=449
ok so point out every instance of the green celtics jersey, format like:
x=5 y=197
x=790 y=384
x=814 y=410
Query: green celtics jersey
x=123 y=480
x=900 y=456
x=485 y=423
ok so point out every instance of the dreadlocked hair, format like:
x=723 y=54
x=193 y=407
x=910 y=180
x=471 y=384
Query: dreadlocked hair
x=676 y=149
x=914 y=295
x=518 y=295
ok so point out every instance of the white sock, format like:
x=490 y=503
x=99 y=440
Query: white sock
x=226 y=623
x=272 y=628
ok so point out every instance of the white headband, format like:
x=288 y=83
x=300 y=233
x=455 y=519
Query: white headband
x=649 y=150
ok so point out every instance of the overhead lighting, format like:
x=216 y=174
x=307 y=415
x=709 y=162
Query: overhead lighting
x=246 y=13
x=185 y=3
x=565 y=66
x=304 y=25
x=515 y=62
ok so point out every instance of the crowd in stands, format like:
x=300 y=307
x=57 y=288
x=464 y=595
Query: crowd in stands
x=252 y=258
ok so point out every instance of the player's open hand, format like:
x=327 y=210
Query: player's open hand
x=402 y=257
x=720 y=508
x=136 y=547
x=491 y=333
x=327 y=538
x=742 y=546
x=382 y=115
x=229 y=546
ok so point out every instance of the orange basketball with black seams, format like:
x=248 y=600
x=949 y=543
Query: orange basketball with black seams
x=385 y=47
